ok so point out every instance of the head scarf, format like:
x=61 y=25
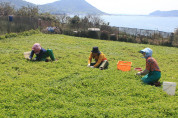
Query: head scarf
x=148 y=52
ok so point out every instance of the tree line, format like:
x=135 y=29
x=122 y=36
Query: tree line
x=76 y=22
x=75 y=25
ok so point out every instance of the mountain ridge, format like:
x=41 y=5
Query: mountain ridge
x=71 y=7
x=173 y=13
x=76 y=7
x=17 y=3
x=60 y=7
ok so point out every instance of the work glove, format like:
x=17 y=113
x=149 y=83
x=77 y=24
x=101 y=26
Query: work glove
x=101 y=68
x=28 y=58
x=139 y=73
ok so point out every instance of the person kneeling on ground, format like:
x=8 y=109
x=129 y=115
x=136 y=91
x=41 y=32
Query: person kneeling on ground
x=100 y=60
x=41 y=53
x=152 y=72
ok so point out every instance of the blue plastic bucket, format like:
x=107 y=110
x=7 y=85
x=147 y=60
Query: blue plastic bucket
x=10 y=18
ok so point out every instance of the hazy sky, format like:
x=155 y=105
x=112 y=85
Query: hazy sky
x=126 y=6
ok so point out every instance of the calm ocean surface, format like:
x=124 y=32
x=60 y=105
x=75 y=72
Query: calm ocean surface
x=166 y=24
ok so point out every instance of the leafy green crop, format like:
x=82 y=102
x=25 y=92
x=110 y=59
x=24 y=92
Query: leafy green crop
x=68 y=88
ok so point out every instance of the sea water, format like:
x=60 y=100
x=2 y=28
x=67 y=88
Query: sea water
x=165 y=24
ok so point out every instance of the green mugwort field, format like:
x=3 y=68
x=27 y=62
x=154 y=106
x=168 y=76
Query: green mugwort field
x=67 y=88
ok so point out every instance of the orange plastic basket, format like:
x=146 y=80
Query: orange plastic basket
x=124 y=65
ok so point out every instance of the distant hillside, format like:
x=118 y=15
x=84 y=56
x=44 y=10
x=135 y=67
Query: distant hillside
x=165 y=13
x=70 y=7
x=60 y=7
x=18 y=3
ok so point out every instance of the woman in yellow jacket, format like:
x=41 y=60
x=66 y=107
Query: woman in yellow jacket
x=100 y=60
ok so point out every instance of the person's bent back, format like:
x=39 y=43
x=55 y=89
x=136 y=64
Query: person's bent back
x=41 y=53
x=101 y=61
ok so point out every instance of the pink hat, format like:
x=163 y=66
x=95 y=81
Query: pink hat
x=36 y=47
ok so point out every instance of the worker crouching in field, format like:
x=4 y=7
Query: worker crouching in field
x=152 y=72
x=41 y=53
x=100 y=60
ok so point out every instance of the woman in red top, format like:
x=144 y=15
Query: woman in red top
x=100 y=60
x=152 y=72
